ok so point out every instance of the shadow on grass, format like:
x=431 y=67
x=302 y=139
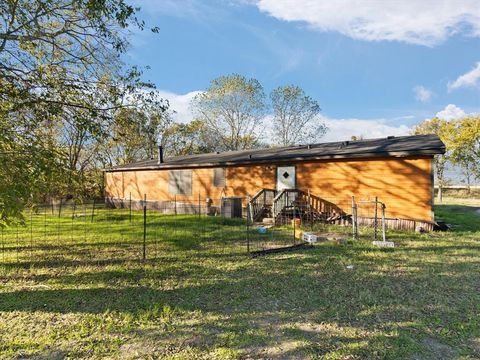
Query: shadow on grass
x=124 y=255
x=294 y=305
x=286 y=300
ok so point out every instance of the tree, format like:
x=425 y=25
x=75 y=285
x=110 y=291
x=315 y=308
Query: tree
x=232 y=109
x=47 y=46
x=28 y=162
x=59 y=65
x=463 y=140
x=439 y=127
x=295 y=116
x=187 y=139
x=136 y=134
x=468 y=166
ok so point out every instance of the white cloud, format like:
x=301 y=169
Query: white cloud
x=451 y=112
x=422 y=94
x=469 y=79
x=344 y=129
x=180 y=104
x=425 y=22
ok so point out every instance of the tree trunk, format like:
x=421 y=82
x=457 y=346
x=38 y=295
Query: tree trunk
x=439 y=194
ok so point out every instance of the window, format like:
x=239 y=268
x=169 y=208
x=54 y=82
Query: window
x=219 y=177
x=180 y=182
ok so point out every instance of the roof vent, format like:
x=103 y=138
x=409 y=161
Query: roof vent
x=160 y=154
x=309 y=146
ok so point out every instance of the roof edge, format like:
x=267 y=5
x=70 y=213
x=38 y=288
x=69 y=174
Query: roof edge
x=394 y=154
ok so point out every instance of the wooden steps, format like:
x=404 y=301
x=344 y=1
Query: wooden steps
x=290 y=203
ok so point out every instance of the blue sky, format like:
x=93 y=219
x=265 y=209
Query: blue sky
x=376 y=67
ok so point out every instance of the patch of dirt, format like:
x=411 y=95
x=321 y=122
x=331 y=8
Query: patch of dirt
x=475 y=345
x=332 y=236
x=437 y=350
x=137 y=350
x=46 y=355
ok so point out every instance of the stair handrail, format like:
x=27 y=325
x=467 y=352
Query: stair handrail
x=255 y=206
x=280 y=195
x=322 y=205
x=315 y=203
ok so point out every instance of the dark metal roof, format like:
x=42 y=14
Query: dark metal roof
x=386 y=147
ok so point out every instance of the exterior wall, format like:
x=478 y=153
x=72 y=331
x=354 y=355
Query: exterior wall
x=154 y=183
x=403 y=184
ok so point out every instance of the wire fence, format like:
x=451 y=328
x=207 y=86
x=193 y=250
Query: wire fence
x=109 y=230
x=94 y=231
x=102 y=231
x=295 y=219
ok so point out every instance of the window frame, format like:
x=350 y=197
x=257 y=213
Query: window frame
x=180 y=182
x=216 y=180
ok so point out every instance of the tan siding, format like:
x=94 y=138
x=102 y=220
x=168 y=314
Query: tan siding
x=154 y=183
x=248 y=180
x=403 y=184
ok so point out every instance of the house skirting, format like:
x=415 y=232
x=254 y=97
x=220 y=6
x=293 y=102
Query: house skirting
x=170 y=207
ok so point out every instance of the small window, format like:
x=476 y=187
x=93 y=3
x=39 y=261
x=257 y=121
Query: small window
x=219 y=177
x=180 y=182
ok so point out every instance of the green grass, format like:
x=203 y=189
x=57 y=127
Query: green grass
x=200 y=296
x=114 y=235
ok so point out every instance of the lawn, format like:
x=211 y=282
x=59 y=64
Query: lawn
x=420 y=300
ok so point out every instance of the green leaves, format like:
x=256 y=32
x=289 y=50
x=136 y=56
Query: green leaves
x=61 y=84
x=462 y=139
x=295 y=116
x=232 y=108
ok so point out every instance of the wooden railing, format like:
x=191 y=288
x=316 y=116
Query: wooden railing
x=297 y=200
x=284 y=199
x=260 y=202
x=320 y=205
x=290 y=201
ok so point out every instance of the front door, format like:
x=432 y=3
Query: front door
x=285 y=178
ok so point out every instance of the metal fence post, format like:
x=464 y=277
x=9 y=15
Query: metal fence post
x=93 y=209
x=60 y=209
x=248 y=225
x=130 y=205
x=375 y=223
x=31 y=231
x=354 y=220
x=144 y=226
x=199 y=206
x=310 y=211
x=383 y=222
x=17 y=242
x=45 y=224
x=294 y=223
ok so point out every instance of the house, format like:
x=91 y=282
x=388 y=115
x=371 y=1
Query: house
x=397 y=170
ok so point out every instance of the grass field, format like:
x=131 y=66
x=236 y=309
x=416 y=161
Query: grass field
x=419 y=300
x=115 y=235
